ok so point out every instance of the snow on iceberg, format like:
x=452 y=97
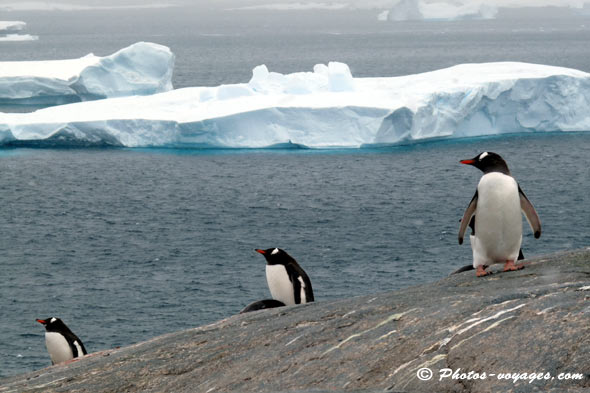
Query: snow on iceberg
x=324 y=108
x=140 y=69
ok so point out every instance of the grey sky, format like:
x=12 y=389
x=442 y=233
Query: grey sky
x=284 y=4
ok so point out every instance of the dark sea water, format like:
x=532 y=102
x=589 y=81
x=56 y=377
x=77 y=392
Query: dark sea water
x=127 y=244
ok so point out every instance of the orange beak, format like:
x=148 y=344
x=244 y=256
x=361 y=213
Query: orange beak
x=260 y=251
x=468 y=162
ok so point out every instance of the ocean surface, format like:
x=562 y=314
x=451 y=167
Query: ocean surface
x=127 y=244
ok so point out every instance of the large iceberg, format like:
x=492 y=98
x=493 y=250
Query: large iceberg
x=323 y=108
x=140 y=69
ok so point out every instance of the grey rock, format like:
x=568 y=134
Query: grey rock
x=534 y=320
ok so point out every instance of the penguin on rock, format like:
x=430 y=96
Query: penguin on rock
x=496 y=213
x=287 y=281
x=62 y=344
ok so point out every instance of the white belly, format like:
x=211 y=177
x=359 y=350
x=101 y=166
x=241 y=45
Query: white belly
x=279 y=284
x=498 y=220
x=58 y=347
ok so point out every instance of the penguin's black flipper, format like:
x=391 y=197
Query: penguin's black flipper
x=294 y=277
x=467 y=217
x=530 y=213
x=308 y=291
x=300 y=279
x=262 y=305
x=84 y=352
x=75 y=343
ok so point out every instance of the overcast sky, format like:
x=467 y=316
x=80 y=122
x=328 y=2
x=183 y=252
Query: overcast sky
x=22 y=5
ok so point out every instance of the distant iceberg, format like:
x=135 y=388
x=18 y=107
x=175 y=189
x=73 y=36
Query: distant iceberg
x=140 y=69
x=10 y=29
x=452 y=10
x=324 y=108
x=11 y=26
x=18 y=37
x=293 y=6
x=439 y=10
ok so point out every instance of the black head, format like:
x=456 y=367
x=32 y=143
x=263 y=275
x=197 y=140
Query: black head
x=275 y=256
x=488 y=162
x=53 y=324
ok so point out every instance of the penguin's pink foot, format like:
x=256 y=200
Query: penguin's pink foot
x=480 y=272
x=510 y=266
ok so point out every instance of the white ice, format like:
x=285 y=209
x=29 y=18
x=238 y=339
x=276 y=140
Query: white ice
x=453 y=9
x=324 y=108
x=440 y=10
x=9 y=30
x=140 y=69
x=11 y=26
x=18 y=37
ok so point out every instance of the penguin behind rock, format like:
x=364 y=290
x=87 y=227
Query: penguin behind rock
x=62 y=344
x=262 y=305
x=496 y=206
x=286 y=280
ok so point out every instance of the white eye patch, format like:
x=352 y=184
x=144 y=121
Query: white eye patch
x=275 y=251
x=483 y=155
x=53 y=320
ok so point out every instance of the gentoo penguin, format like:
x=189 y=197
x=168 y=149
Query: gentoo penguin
x=262 y=305
x=496 y=205
x=286 y=280
x=62 y=344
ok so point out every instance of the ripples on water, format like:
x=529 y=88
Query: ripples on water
x=125 y=245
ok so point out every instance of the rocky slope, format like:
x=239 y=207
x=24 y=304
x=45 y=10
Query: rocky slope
x=536 y=320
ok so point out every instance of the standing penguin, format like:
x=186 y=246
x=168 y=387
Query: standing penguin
x=286 y=280
x=497 y=205
x=62 y=344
